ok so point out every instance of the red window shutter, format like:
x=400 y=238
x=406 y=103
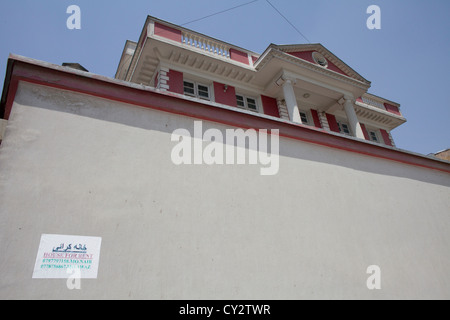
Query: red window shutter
x=386 y=138
x=364 y=130
x=270 y=106
x=332 y=122
x=175 y=81
x=316 y=119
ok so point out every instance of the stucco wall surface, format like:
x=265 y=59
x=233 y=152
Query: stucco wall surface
x=74 y=164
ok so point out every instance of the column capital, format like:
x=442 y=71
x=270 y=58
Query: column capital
x=346 y=99
x=289 y=79
x=349 y=97
x=283 y=79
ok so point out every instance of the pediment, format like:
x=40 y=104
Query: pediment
x=319 y=55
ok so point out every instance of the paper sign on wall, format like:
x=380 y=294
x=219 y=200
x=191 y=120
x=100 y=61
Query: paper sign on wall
x=59 y=254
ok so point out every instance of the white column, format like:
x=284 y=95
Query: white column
x=352 y=118
x=291 y=101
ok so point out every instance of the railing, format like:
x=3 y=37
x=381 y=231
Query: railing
x=372 y=101
x=205 y=44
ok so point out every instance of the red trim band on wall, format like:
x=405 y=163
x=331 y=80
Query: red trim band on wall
x=53 y=76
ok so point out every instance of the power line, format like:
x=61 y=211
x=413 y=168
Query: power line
x=287 y=20
x=223 y=11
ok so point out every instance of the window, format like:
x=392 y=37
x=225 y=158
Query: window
x=197 y=90
x=246 y=103
x=203 y=92
x=344 y=128
x=304 y=117
x=189 y=88
x=373 y=136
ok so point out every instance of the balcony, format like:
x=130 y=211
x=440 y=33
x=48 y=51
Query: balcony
x=206 y=44
x=376 y=110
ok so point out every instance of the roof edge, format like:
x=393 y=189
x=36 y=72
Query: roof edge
x=47 y=74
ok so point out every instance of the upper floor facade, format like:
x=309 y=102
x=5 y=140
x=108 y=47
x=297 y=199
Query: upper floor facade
x=304 y=84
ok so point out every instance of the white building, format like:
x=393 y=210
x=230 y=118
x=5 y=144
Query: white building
x=91 y=156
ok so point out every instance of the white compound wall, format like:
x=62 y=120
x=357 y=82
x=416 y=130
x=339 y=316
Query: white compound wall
x=72 y=164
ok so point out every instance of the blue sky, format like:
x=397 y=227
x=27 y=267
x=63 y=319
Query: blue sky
x=407 y=61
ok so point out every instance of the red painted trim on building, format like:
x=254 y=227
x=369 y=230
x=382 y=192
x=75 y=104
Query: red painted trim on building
x=304 y=55
x=307 y=56
x=386 y=138
x=332 y=66
x=107 y=88
x=11 y=95
x=316 y=119
x=270 y=106
x=175 y=81
x=364 y=130
x=238 y=56
x=167 y=32
x=392 y=109
x=225 y=96
x=156 y=79
x=332 y=123
x=254 y=59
